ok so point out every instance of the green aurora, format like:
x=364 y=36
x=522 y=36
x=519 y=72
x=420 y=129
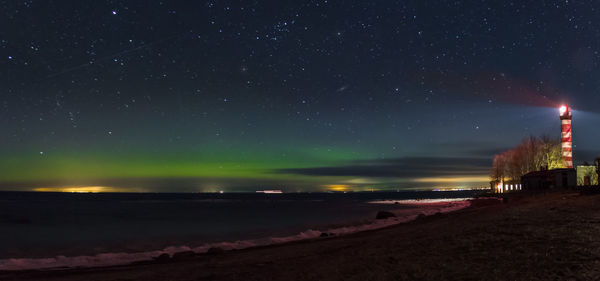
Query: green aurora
x=91 y=167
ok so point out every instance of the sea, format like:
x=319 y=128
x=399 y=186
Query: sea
x=54 y=230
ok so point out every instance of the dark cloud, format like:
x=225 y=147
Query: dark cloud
x=473 y=148
x=589 y=156
x=408 y=167
x=487 y=152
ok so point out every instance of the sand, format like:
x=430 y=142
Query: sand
x=552 y=236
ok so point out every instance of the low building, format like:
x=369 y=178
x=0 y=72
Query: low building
x=498 y=186
x=586 y=175
x=549 y=179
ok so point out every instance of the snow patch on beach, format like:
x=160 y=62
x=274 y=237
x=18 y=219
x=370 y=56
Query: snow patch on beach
x=419 y=201
x=426 y=207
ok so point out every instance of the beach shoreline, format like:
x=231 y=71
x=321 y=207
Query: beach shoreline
x=522 y=238
x=403 y=211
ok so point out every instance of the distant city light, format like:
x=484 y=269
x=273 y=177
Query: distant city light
x=277 y=191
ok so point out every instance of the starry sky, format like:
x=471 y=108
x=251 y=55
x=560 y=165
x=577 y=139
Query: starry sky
x=202 y=96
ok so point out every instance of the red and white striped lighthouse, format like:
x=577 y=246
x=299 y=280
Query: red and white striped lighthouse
x=566 y=136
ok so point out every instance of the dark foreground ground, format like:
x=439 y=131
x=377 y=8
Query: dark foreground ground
x=541 y=237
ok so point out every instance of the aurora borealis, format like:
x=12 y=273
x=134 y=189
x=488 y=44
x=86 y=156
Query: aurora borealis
x=152 y=96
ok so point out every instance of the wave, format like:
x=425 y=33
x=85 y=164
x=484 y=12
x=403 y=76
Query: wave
x=426 y=207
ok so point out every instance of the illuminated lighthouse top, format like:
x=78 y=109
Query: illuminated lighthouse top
x=565 y=112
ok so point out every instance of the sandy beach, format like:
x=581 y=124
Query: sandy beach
x=552 y=236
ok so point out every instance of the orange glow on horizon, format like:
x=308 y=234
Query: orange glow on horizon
x=80 y=189
x=338 y=187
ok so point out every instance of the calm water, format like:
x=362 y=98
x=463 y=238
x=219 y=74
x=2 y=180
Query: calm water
x=49 y=224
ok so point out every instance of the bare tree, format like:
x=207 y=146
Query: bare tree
x=550 y=153
x=530 y=155
x=498 y=167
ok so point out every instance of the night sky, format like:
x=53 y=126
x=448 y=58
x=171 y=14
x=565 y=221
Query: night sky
x=196 y=96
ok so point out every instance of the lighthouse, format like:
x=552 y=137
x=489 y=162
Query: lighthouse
x=566 y=136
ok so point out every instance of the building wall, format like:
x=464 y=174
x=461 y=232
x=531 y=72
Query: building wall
x=558 y=178
x=565 y=179
x=586 y=175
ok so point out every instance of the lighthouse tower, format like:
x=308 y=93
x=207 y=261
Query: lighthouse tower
x=566 y=136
